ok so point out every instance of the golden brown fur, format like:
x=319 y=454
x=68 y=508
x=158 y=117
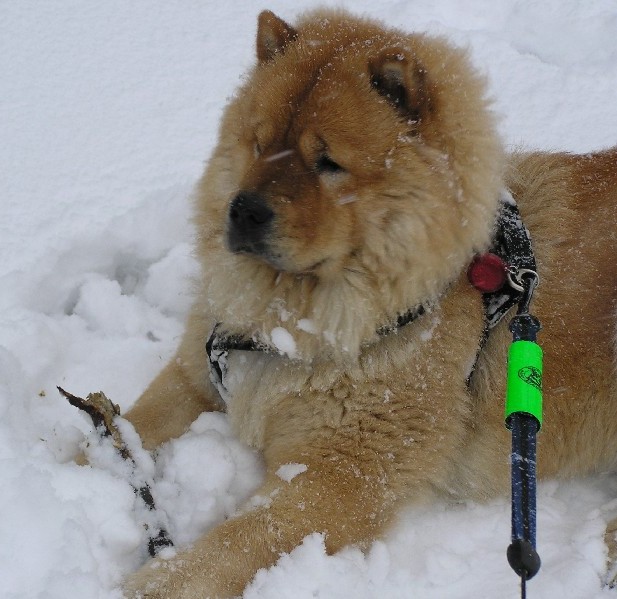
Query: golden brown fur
x=411 y=197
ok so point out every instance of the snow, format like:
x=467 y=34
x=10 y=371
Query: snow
x=288 y=472
x=307 y=325
x=108 y=111
x=284 y=342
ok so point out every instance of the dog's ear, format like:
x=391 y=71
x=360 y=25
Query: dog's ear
x=273 y=34
x=403 y=82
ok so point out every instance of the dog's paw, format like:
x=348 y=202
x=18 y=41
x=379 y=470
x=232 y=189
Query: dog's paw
x=157 y=579
x=178 y=577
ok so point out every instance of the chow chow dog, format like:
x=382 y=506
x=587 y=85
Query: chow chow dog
x=357 y=175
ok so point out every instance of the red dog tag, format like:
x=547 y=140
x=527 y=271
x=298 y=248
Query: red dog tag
x=487 y=273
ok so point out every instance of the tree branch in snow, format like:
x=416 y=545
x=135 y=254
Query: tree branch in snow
x=103 y=411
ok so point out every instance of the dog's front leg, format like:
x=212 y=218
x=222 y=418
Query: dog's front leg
x=343 y=482
x=181 y=391
x=341 y=496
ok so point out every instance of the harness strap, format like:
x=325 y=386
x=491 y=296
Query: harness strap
x=219 y=345
x=512 y=244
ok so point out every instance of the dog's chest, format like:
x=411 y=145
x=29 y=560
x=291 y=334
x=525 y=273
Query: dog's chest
x=251 y=383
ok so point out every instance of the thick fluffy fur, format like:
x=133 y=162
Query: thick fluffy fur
x=376 y=157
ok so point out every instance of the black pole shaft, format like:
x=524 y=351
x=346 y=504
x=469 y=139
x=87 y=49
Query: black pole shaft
x=522 y=554
x=523 y=477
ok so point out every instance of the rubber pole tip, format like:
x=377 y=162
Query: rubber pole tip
x=523 y=557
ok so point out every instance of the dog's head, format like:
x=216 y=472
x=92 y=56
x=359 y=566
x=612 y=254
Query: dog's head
x=341 y=129
x=352 y=148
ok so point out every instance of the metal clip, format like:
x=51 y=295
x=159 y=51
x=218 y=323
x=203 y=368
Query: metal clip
x=515 y=277
x=525 y=281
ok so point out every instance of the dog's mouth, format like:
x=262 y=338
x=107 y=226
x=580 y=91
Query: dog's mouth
x=262 y=251
x=256 y=247
x=258 y=250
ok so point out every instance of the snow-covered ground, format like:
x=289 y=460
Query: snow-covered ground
x=107 y=112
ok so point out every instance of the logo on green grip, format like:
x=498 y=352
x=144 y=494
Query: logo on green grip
x=532 y=376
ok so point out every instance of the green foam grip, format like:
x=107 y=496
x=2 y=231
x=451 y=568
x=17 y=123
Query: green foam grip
x=524 y=390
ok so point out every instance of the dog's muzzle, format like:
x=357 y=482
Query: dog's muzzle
x=249 y=223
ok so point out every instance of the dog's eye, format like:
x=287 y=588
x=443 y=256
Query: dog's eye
x=325 y=164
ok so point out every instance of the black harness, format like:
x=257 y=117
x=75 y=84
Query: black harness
x=512 y=244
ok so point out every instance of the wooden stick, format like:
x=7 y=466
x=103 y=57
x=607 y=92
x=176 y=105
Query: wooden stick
x=103 y=411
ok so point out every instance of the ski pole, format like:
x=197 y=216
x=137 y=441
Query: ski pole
x=523 y=417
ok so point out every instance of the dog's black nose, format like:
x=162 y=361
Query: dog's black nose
x=249 y=211
x=249 y=220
